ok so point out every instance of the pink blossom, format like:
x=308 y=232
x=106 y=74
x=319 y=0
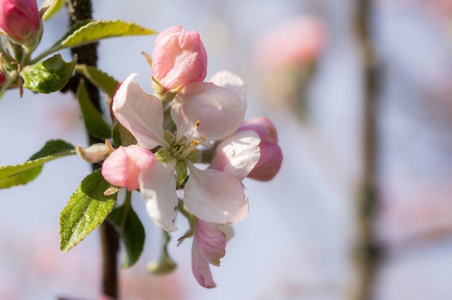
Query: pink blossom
x=295 y=42
x=123 y=166
x=202 y=112
x=179 y=58
x=19 y=18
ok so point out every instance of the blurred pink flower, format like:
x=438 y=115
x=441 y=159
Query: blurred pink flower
x=414 y=210
x=179 y=58
x=296 y=42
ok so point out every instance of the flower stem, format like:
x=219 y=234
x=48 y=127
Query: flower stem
x=368 y=251
x=81 y=10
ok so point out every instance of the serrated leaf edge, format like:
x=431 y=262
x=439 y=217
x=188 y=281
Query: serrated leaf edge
x=65 y=209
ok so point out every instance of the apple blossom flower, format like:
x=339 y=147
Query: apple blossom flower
x=202 y=112
x=20 y=19
x=179 y=58
x=124 y=165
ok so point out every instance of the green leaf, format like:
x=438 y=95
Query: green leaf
x=91 y=116
x=165 y=264
x=87 y=208
x=96 y=30
x=26 y=172
x=122 y=136
x=48 y=76
x=55 y=6
x=57 y=45
x=130 y=229
x=100 y=79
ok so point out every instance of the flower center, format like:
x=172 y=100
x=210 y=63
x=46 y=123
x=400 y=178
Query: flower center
x=184 y=145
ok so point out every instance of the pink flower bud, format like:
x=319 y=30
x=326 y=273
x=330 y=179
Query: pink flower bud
x=270 y=153
x=179 y=58
x=19 y=18
x=269 y=162
x=263 y=127
x=123 y=167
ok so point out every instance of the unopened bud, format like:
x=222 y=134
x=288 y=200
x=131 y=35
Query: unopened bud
x=21 y=21
x=94 y=153
x=270 y=153
x=179 y=58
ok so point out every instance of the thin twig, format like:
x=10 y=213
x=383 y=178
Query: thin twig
x=368 y=251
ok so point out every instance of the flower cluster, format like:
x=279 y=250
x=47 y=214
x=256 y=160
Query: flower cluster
x=191 y=136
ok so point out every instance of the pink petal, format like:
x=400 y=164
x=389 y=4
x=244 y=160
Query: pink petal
x=123 y=166
x=263 y=127
x=200 y=267
x=213 y=196
x=269 y=163
x=168 y=31
x=140 y=113
x=211 y=242
x=219 y=111
x=158 y=186
x=237 y=155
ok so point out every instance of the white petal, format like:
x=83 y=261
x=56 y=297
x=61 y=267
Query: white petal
x=213 y=196
x=220 y=112
x=240 y=215
x=230 y=82
x=237 y=155
x=140 y=113
x=158 y=186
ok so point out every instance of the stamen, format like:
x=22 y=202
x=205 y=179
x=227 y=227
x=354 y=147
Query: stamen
x=190 y=136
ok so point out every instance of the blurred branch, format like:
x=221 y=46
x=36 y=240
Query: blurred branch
x=80 y=10
x=368 y=252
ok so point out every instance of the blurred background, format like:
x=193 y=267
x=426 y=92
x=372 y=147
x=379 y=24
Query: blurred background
x=301 y=64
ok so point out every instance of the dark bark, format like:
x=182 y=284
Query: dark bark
x=368 y=251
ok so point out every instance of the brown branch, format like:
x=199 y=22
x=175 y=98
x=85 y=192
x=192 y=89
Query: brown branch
x=368 y=251
x=80 y=10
